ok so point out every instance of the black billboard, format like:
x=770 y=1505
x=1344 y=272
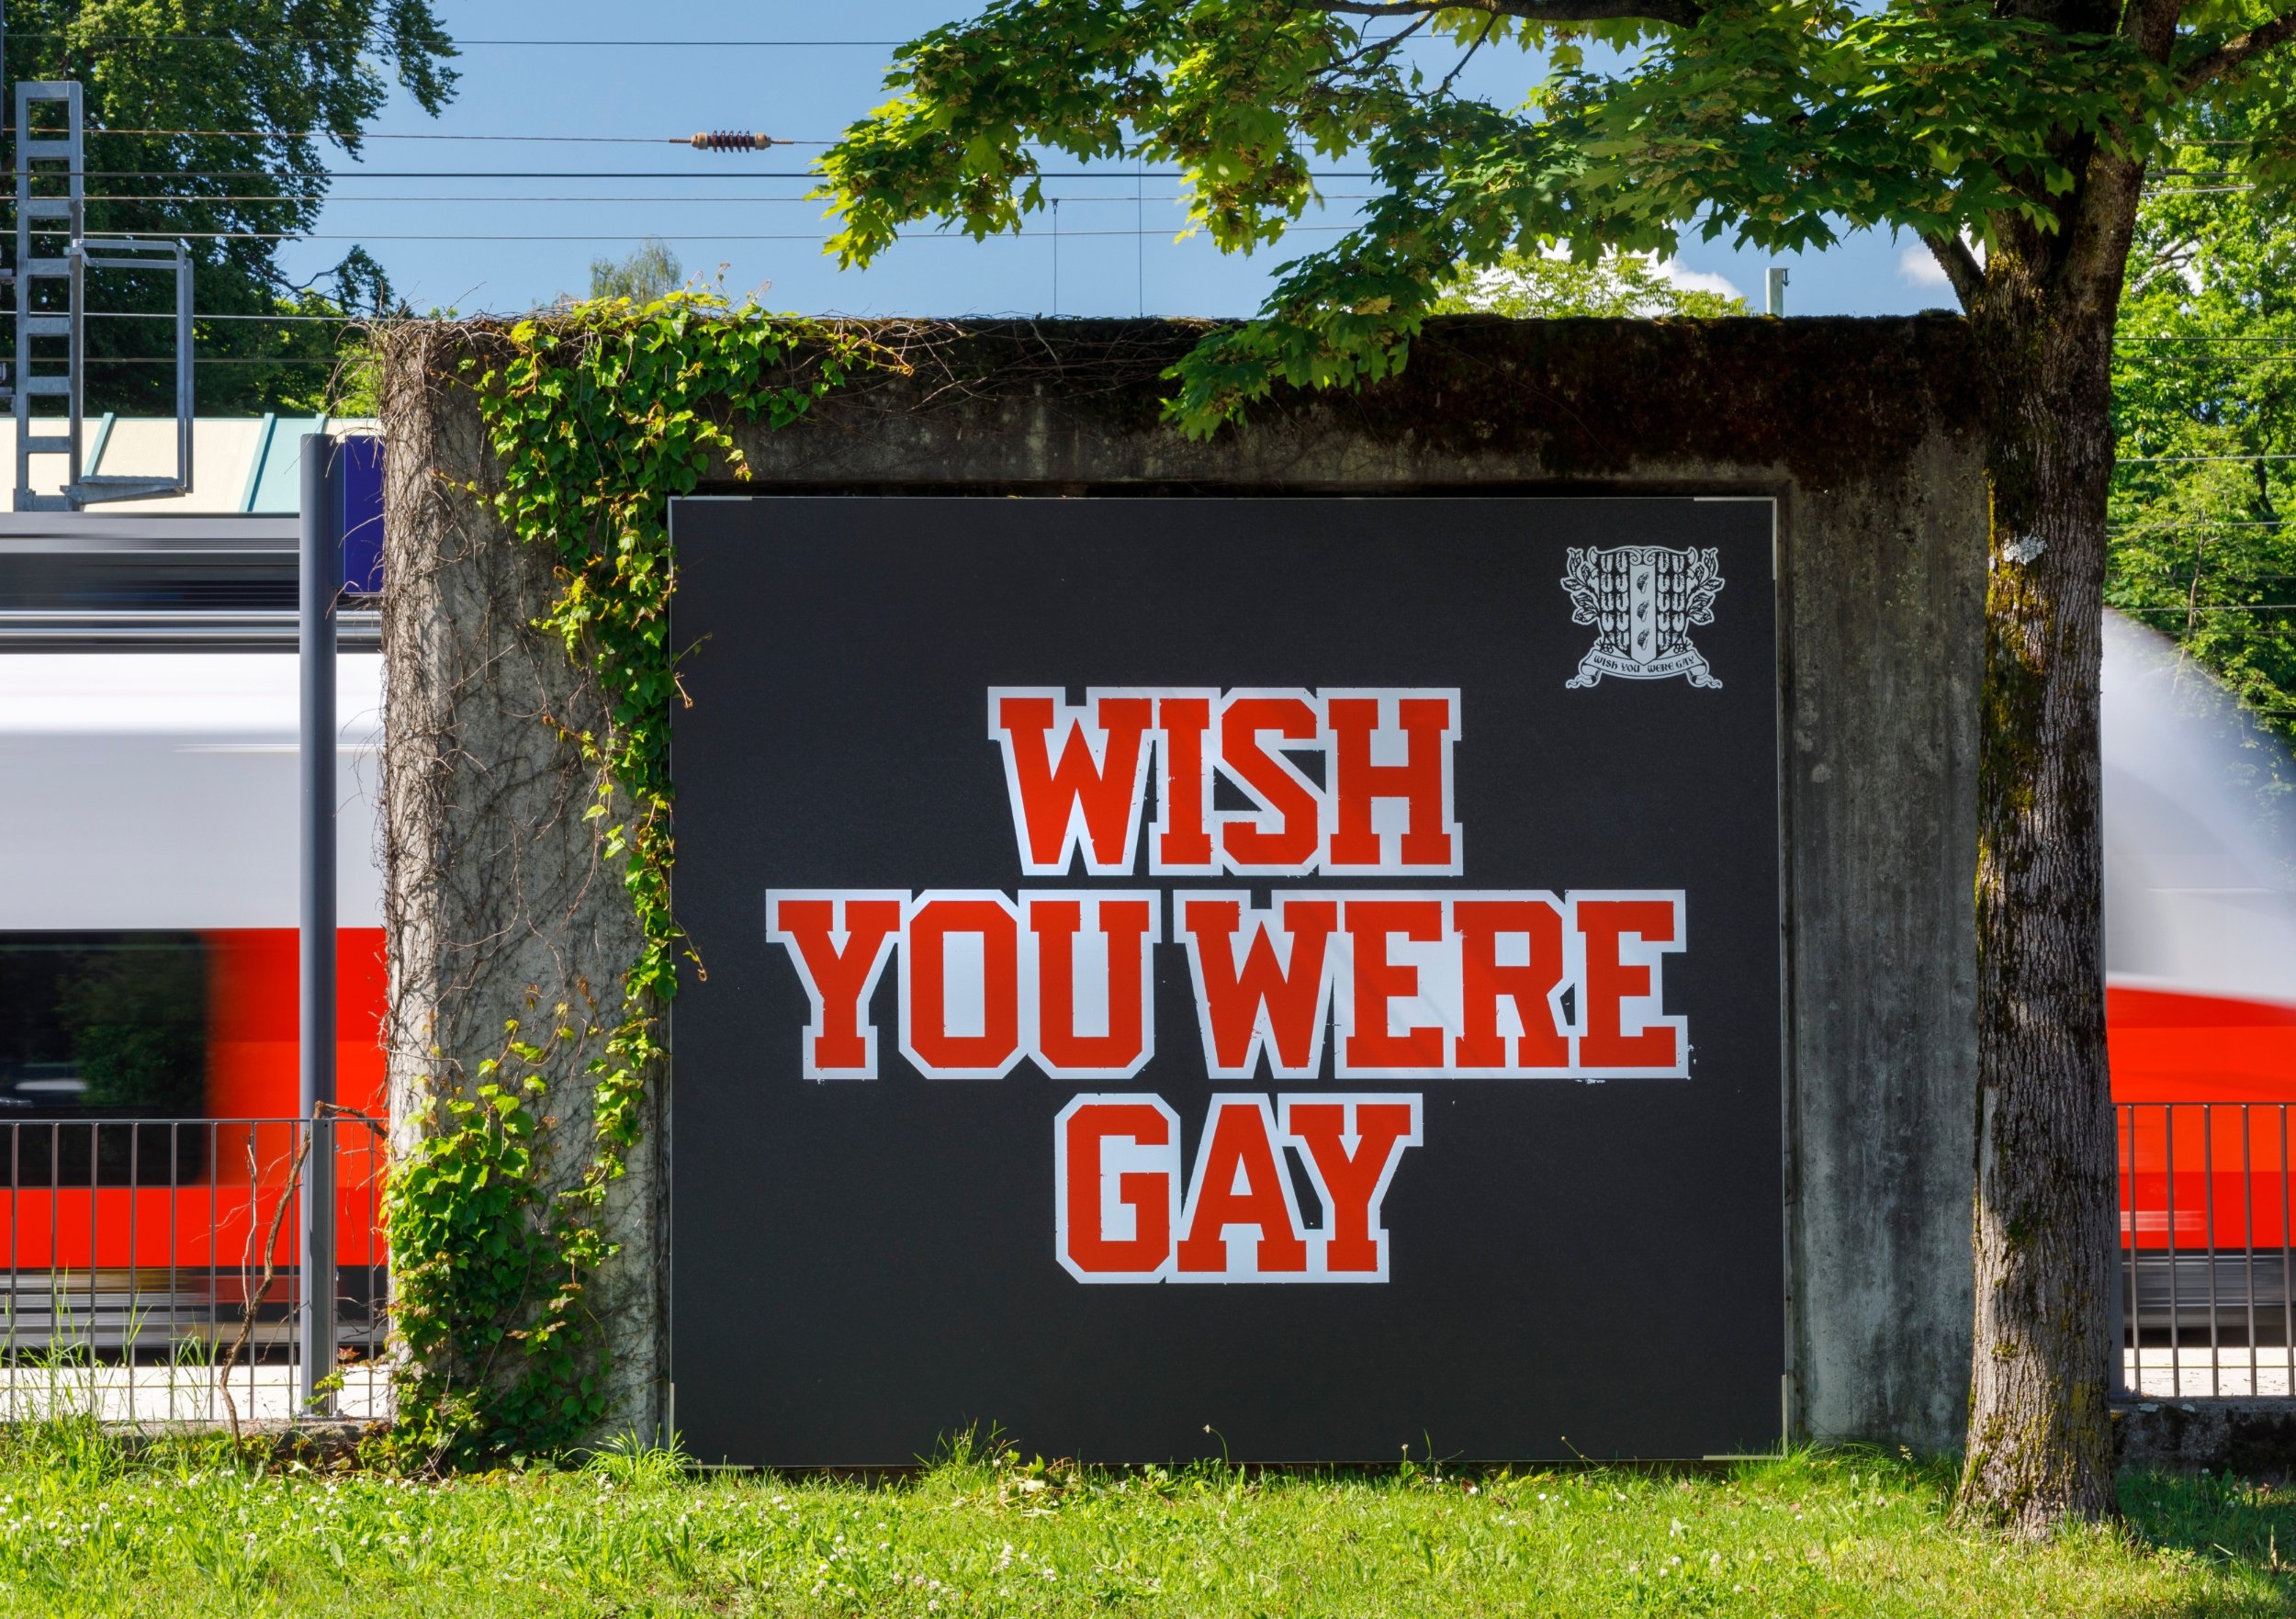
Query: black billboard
x=1290 y=978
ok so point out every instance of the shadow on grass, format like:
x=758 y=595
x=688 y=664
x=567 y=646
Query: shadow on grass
x=2216 y=1518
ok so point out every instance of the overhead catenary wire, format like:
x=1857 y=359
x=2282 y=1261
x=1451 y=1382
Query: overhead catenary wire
x=1111 y=175
x=2264 y=632
x=180 y=199
x=350 y=135
x=357 y=174
x=185 y=198
x=2157 y=460
x=643 y=235
x=757 y=143
x=273 y=42
x=2249 y=580
x=2244 y=580
x=165 y=315
x=170 y=315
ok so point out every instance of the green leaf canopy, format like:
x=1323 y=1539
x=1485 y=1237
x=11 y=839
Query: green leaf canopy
x=1779 y=123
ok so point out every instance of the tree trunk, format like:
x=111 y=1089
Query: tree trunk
x=2040 y=1448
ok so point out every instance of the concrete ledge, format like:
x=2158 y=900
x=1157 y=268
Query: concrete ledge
x=2242 y=1435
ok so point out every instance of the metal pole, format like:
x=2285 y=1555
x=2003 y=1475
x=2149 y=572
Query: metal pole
x=319 y=582
x=1773 y=291
x=186 y=391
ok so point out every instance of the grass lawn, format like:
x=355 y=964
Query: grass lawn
x=86 y=1527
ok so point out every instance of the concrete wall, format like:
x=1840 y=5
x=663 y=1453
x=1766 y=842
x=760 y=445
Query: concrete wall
x=498 y=899
x=1864 y=430
x=2252 y=1437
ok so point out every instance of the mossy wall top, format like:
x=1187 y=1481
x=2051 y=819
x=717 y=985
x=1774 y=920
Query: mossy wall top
x=1819 y=402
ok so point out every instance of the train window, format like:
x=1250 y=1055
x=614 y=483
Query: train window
x=97 y=1029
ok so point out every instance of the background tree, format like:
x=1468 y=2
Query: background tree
x=137 y=1018
x=1536 y=285
x=2204 y=550
x=274 y=74
x=650 y=274
x=2012 y=136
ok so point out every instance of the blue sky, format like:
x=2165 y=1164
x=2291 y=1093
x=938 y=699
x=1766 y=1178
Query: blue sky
x=505 y=248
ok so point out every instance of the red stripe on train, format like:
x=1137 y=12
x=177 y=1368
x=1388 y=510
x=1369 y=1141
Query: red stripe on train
x=2197 y=1169
x=225 y=1216
x=2171 y=1047
x=251 y=996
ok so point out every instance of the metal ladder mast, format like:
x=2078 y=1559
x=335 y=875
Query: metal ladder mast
x=49 y=277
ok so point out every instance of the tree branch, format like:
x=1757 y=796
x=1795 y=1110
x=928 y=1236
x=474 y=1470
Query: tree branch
x=1960 y=265
x=1680 y=13
x=2236 y=51
x=1468 y=55
x=2170 y=260
x=1376 y=49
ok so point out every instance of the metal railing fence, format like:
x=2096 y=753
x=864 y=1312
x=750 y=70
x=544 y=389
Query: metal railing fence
x=2208 y=1272
x=148 y=1268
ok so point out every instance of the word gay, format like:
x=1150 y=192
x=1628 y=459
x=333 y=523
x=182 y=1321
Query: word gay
x=1078 y=776
x=1503 y=984
x=1120 y=1217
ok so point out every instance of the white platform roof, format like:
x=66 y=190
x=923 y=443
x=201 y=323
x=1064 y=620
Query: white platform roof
x=240 y=463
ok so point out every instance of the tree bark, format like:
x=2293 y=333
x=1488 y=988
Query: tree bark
x=2040 y=1446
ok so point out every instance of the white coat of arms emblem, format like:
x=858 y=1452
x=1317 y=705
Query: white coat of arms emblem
x=1642 y=601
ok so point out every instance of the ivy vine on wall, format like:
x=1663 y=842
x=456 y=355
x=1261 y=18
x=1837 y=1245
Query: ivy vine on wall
x=595 y=417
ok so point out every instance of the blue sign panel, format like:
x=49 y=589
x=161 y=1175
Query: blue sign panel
x=359 y=474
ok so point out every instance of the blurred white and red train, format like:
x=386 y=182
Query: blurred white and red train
x=2199 y=998
x=148 y=941
x=148 y=960
x=147 y=806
